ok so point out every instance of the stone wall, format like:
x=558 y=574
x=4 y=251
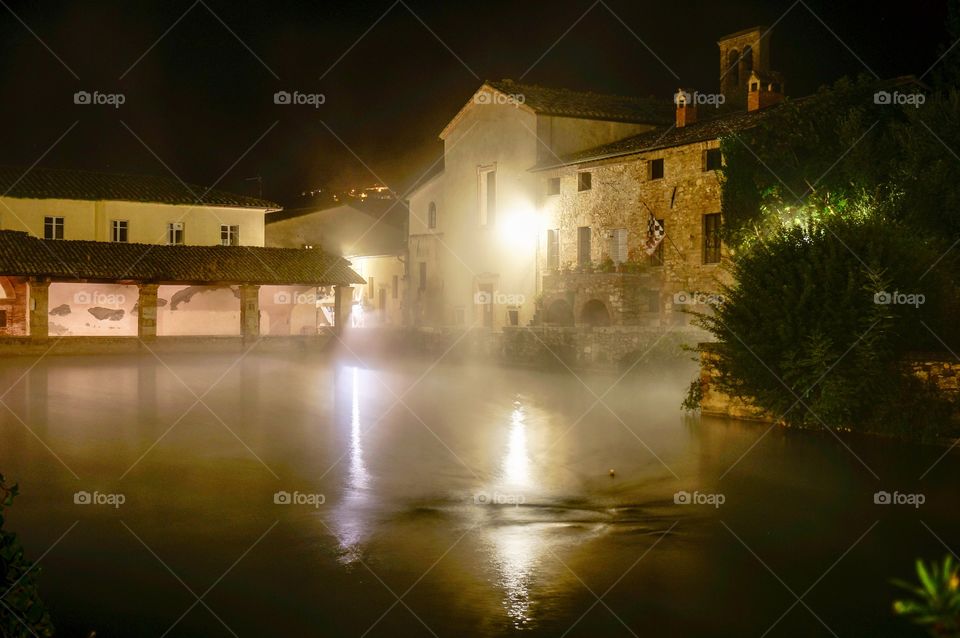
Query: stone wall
x=942 y=371
x=623 y=195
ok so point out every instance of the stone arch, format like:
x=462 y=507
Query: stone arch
x=733 y=68
x=746 y=63
x=559 y=313
x=595 y=313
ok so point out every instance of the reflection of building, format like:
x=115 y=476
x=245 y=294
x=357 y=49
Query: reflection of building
x=370 y=232
x=549 y=198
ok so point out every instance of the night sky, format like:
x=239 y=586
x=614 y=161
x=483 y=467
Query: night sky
x=200 y=97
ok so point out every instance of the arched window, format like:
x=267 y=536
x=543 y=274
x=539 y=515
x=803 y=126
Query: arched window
x=733 y=67
x=432 y=216
x=746 y=63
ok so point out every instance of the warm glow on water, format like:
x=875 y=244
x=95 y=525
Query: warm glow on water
x=481 y=498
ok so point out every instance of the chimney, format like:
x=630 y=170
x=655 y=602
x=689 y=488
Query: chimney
x=686 y=109
x=763 y=90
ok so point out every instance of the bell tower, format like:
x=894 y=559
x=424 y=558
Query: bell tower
x=742 y=53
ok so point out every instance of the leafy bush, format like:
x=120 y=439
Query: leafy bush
x=800 y=332
x=936 y=602
x=22 y=614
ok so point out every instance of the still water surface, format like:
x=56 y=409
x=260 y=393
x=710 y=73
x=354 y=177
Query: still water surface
x=457 y=501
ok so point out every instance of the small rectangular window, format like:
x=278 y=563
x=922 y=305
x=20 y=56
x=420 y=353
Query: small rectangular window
x=711 y=238
x=432 y=216
x=553 y=249
x=371 y=288
x=3 y=318
x=118 y=231
x=712 y=160
x=553 y=186
x=656 y=168
x=583 y=245
x=487 y=190
x=423 y=275
x=229 y=235
x=618 y=245
x=53 y=227
x=175 y=233
x=396 y=287
x=584 y=181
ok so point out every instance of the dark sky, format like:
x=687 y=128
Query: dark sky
x=202 y=95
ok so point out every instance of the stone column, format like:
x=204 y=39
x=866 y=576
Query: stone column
x=249 y=310
x=343 y=304
x=147 y=311
x=39 y=308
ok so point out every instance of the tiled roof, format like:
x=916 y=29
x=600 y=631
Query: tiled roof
x=24 y=255
x=585 y=104
x=55 y=183
x=662 y=137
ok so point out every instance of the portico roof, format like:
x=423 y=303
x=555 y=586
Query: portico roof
x=23 y=255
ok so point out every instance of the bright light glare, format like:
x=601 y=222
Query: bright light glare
x=519 y=225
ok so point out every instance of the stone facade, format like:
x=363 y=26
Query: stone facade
x=623 y=196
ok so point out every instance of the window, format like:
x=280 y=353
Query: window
x=656 y=168
x=423 y=275
x=618 y=245
x=175 y=233
x=553 y=186
x=53 y=227
x=370 y=287
x=487 y=188
x=118 y=230
x=711 y=238
x=3 y=318
x=553 y=249
x=432 y=216
x=396 y=287
x=513 y=317
x=656 y=259
x=583 y=245
x=584 y=181
x=712 y=160
x=229 y=235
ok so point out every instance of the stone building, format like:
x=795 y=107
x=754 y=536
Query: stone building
x=545 y=201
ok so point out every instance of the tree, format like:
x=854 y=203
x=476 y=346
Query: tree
x=22 y=613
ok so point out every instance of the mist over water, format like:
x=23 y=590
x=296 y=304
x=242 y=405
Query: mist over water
x=479 y=496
